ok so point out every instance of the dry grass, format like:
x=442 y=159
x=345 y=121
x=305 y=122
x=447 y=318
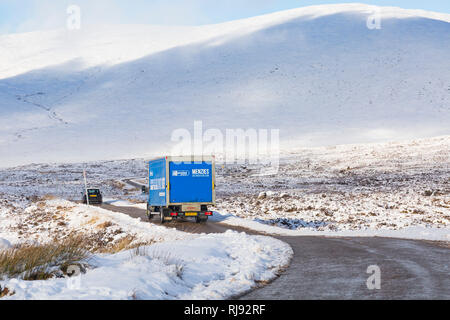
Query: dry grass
x=117 y=184
x=40 y=262
x=139 y=251
x=133 y=295
x=48 y=197
x=41 y=205
x=126 y=243
x=123 y=244
x=5 y=292
x=104 y=225
x=167 y=258
x=93 y=220
x=135 y=201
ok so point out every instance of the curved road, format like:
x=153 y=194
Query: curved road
x=336 y=268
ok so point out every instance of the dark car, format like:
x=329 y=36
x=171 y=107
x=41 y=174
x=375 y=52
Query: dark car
x=95 y=196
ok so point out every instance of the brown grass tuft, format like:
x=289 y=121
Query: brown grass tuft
x=93 y=220
x=5 y=292
x=40 y=262
x=104 y=225
x=117 y=184
x=48 y=197
x=123 y=244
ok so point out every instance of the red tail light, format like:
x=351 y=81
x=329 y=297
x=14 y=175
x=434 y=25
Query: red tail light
x=208 y=213
x=174 y=214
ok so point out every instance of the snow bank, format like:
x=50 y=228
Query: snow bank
x=214 y=266
x=176 y=265
x=125 y=203
x=413 y=232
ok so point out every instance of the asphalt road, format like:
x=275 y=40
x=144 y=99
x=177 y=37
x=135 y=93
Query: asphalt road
x=336 y=268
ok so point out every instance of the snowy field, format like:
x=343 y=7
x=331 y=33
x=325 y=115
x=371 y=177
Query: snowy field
x=362 y=188
x=358 y=188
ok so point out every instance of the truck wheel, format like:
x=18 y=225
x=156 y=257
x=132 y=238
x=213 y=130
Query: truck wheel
x=161 y=215
x=200 y=220
x=149 y=213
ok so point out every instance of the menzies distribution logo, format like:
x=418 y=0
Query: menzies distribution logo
x=200 y=172
x=180 y=173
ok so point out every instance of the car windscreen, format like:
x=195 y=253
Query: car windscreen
x=93 y=191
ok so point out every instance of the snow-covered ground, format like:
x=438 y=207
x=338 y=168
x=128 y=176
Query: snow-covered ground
x=317 y=73
x=364 y=189
x=125 y=203
x=168 y=264
x=289 y=227
x=389 y=189
x=203 y=267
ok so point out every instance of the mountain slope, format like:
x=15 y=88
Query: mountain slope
x=316 y=73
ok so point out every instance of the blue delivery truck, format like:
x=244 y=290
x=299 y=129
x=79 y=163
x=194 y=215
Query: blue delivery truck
x=181 y=187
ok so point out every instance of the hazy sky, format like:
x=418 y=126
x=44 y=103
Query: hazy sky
x=29 y=15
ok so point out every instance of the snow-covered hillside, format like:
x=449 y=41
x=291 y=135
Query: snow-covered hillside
x=317 y=73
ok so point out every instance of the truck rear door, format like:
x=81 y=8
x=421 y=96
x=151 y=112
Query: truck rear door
x=191 y=182
x=157 y=182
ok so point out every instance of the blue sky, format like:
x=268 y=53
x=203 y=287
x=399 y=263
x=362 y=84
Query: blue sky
x=29 y=15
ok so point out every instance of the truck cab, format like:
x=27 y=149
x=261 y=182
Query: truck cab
x=181 y=187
